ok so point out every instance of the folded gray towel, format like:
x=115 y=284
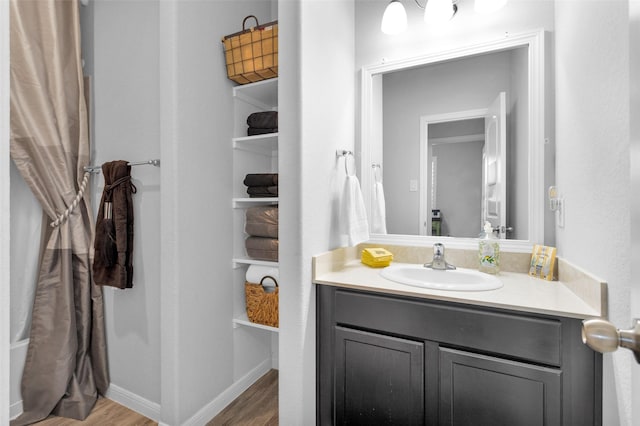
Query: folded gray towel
x=253 y=131
x=262 y=191
x=261 y=179
x=262 y=248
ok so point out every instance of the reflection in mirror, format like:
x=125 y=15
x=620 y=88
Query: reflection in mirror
x=438 y=95
x=444 y=182
x=455 y=178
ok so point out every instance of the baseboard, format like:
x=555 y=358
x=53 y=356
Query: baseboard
x=115 y=393
x=212 y=409
x=152 y=410
x=15 y=409
x=18 y=355
x=134 y=402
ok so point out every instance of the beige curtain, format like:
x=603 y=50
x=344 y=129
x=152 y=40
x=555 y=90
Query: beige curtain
x=66 y=365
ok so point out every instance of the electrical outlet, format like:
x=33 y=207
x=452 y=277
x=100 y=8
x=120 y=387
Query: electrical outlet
x=413 y=185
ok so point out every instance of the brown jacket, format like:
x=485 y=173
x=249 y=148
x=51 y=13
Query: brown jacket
x=113 y=244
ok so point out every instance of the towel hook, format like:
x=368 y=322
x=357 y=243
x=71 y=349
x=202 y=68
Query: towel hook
x=377 y=172
x=346 y=154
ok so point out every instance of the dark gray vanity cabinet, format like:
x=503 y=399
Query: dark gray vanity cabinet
x=378 y=371
x=394 y=360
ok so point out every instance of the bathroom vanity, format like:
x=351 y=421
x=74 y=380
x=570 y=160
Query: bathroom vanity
x=393 y=354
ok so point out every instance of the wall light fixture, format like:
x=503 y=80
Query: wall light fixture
x=394 y=20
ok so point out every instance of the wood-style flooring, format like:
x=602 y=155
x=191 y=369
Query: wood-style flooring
x=257 y=406
x=105 y=412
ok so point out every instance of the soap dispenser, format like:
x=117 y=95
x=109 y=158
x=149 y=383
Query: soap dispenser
x=488 y=251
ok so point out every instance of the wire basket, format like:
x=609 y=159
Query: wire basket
x=252 y=54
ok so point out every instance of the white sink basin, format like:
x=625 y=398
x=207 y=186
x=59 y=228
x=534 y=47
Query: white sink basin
x=457 y=280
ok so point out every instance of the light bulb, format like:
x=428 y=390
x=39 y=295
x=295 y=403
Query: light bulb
x=489 y=6
x=438 y=11
x=394 y=20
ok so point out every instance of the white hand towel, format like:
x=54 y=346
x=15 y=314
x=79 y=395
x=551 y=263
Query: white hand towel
x=353 y=216
x=255 y=273
x=378 y=215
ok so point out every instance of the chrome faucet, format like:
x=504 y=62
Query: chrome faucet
x=438 y=261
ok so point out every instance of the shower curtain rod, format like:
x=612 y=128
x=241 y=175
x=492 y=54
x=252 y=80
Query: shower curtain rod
x=97 y=169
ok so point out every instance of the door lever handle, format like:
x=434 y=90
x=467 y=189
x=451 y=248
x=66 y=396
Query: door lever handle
x=602 y=336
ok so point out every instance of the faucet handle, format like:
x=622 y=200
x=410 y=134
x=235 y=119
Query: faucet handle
x=438 y=249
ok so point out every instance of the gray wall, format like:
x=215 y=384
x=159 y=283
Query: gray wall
x=121 y=52
x=459 y=182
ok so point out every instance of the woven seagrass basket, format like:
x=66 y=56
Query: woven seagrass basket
x=252 y=54
x=262 y=305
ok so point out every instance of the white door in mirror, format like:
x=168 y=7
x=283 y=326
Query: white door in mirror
x=494 y=171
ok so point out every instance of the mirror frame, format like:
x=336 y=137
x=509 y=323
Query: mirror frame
x=534 y=41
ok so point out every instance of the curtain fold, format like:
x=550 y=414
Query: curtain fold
x=66 y=364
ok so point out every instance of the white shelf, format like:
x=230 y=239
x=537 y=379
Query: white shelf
x=240 y=203
x=244 y=321
x=251 y=154
x=237 y=261
x=262 y=94
x=266 y=144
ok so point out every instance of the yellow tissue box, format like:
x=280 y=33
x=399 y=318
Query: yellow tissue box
x=376 y=257
x=543 y=260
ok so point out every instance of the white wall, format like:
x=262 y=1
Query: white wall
x=634 y=72
x=317 y=110
x=467 y=26
x=592 y=138
x=4 y=213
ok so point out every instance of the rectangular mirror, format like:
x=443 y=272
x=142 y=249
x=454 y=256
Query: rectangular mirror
x=457 y=139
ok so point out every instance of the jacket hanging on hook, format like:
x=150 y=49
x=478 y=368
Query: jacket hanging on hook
x=112 y=264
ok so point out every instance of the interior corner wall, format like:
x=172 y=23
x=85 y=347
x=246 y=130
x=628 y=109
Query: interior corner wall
x=593 y=177
x=196 y=108
x=316 y=97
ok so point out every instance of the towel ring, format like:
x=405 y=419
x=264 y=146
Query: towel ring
x=346 y=154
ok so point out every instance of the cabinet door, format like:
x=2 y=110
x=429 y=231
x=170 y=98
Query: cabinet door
x=378 y=379
x=482 y=390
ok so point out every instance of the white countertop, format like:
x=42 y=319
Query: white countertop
x=520 y=292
